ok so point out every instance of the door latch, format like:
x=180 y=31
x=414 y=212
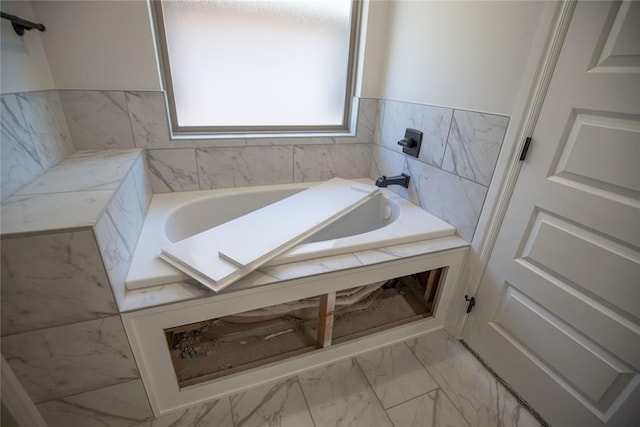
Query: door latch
x=472 y=302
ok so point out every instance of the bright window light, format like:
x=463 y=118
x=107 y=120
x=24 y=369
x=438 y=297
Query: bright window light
x=258 y=65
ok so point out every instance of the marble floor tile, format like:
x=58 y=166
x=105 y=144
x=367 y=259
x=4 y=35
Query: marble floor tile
x=459 y=392
x=280 y=404
x=121 y=405
x=340 y=394
x=482 y=401
x=433 y=409
x=212 y=414
x=395 y=374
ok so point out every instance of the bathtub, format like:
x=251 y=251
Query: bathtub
x=385 y=220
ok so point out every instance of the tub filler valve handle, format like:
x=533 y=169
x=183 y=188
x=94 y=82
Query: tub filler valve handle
x=411 y=142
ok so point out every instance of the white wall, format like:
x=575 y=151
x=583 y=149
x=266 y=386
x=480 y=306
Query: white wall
x=468 y=55
x=374 y=25
x=24 y=62
x=99 y=44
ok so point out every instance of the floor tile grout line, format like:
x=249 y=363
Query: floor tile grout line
x=304 y=396
x=413 y=398
x=355 y=359
x=458 y=409
x=233 y=421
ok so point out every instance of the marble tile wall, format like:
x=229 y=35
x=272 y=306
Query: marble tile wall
x=34 y=137
x=118 y=229
x=53 y=279
x=451 y=176
x=103 y=119
x=61 y=332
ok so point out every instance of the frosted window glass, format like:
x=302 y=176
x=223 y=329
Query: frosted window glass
x=258 y=63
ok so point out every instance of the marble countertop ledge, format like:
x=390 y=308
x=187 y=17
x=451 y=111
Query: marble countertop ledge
x=184 y=291
x=71 y=195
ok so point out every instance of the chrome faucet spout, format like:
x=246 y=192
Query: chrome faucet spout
x=385 y=181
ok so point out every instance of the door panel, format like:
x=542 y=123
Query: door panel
x=552 y=237
x=591 y=371
x=558 y=312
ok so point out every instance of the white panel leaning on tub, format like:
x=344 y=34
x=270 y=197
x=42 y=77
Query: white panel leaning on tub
x=221 y=255
x=384 y=220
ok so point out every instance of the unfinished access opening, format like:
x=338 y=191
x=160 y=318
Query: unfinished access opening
x=221 y=346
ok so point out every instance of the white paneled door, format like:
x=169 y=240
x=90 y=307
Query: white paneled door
x=558 y=309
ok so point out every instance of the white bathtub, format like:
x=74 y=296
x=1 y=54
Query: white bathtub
x=385 y=220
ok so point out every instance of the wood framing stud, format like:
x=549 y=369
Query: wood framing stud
x=325 y=319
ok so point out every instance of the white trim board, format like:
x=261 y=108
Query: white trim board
x=221 y=255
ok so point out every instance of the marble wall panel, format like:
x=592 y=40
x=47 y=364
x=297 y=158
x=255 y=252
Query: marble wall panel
x=47 y=125
x=434 y=122
x=149 y=122
x=53 y=279
x=60 y=361
x=450 y=178
x=97 y=119
x=474 y=145
x=244 y=166
x=261 y=142
x=34 y=136
x=173 y=170
x=120 y=405
x=143 y=183
x=386 y=162
x=322 y=162
x=117 y=233
x=20 y=160
x=366 y=122
x=451 y=198
x=124 y=211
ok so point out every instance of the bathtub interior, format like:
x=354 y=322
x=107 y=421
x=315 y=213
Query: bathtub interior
x=203 y=213
x=372 y=215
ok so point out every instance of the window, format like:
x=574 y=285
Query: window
x=236 y=66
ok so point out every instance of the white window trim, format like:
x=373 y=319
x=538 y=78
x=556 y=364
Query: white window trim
x=349 y=119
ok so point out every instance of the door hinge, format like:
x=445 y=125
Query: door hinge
x=472 y=302
x=525 y=148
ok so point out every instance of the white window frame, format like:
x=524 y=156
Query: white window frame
x=203 y=131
